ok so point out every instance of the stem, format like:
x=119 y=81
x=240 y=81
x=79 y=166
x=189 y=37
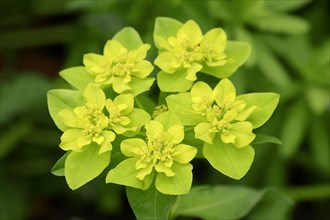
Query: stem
x=188 y=129
x=139 y=104
x=308 y=193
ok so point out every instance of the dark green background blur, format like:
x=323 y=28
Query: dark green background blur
x=290 y=42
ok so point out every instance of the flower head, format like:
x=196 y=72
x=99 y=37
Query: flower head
x=191 y=50
x=123 y=117
x=118 y=66
x=162 y=154
x=225 y=116
x=87 y=124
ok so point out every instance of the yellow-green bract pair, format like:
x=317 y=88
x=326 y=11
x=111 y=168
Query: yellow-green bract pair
x=161 y=156
x=90 y=123
x=184 y=51
x=224 y=122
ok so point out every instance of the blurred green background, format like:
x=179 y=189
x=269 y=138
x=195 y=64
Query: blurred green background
x=290 y=41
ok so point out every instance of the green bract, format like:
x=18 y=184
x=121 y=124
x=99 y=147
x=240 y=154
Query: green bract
x=184 y=51
x=122 y=64
x=162 y=155
x=223 y=120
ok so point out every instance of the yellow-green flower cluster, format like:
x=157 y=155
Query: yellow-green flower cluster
x=118 y=65
x=225 y=116
x=162 y=154
x=90 y=123
x=191 y=50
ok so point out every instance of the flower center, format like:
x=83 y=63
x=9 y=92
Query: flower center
x=221 y=126
x=122 y=68
x=94 y=126
x=158 y=150
x=201 y=104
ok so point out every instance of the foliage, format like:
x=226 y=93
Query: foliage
x=91 y=121
x=288 y=55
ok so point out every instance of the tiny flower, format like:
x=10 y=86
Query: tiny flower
x=87 y=124
x=162 y=155
x=118 y=66
x=123 y=117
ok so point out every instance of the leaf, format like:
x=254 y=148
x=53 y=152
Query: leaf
x=149 y=204
x=273 y=206
x=319 y=143
x=178 y=184
x=223 y=202
x=138 y=118
x=281 y=23
x=175 y=82
x=265 y=103
x=60 y=99
x=317 y=98
x=245 y=36
x=181 y=105
x=228 y=159
x=24 y=93
x=217 y=202
x=125 y=174
x=58 y=168
x=168 y=119
x=286 y=5
x=140 y=85
x=263 y=139
x=237 y=54
x=77 y=77
x=12 y=136
x=129 y=38
x=295 y=125
x=271 y=67
x=82 y=167
x=164 y=28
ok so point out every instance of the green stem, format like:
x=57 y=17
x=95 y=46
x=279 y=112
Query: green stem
x=139 y=104
x=187 y=129
x=308 y=193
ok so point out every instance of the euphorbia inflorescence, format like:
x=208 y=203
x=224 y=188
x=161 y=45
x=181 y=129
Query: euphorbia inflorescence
x=106 y=113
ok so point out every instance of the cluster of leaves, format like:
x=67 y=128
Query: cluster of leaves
x=102 y=115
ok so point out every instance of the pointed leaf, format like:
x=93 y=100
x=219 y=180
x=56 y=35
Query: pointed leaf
x=168 y=119
x=77 y=77
x=181 y=105
x=129 y=38
x=60 y=99
x=58 y=168
x=281 y=23
x=228 y=159
x=293 y=131
x=164 y=28
x=125 y=174
x=237 y=54
x=263 y=139
x=82 y=167
x=265 y=103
